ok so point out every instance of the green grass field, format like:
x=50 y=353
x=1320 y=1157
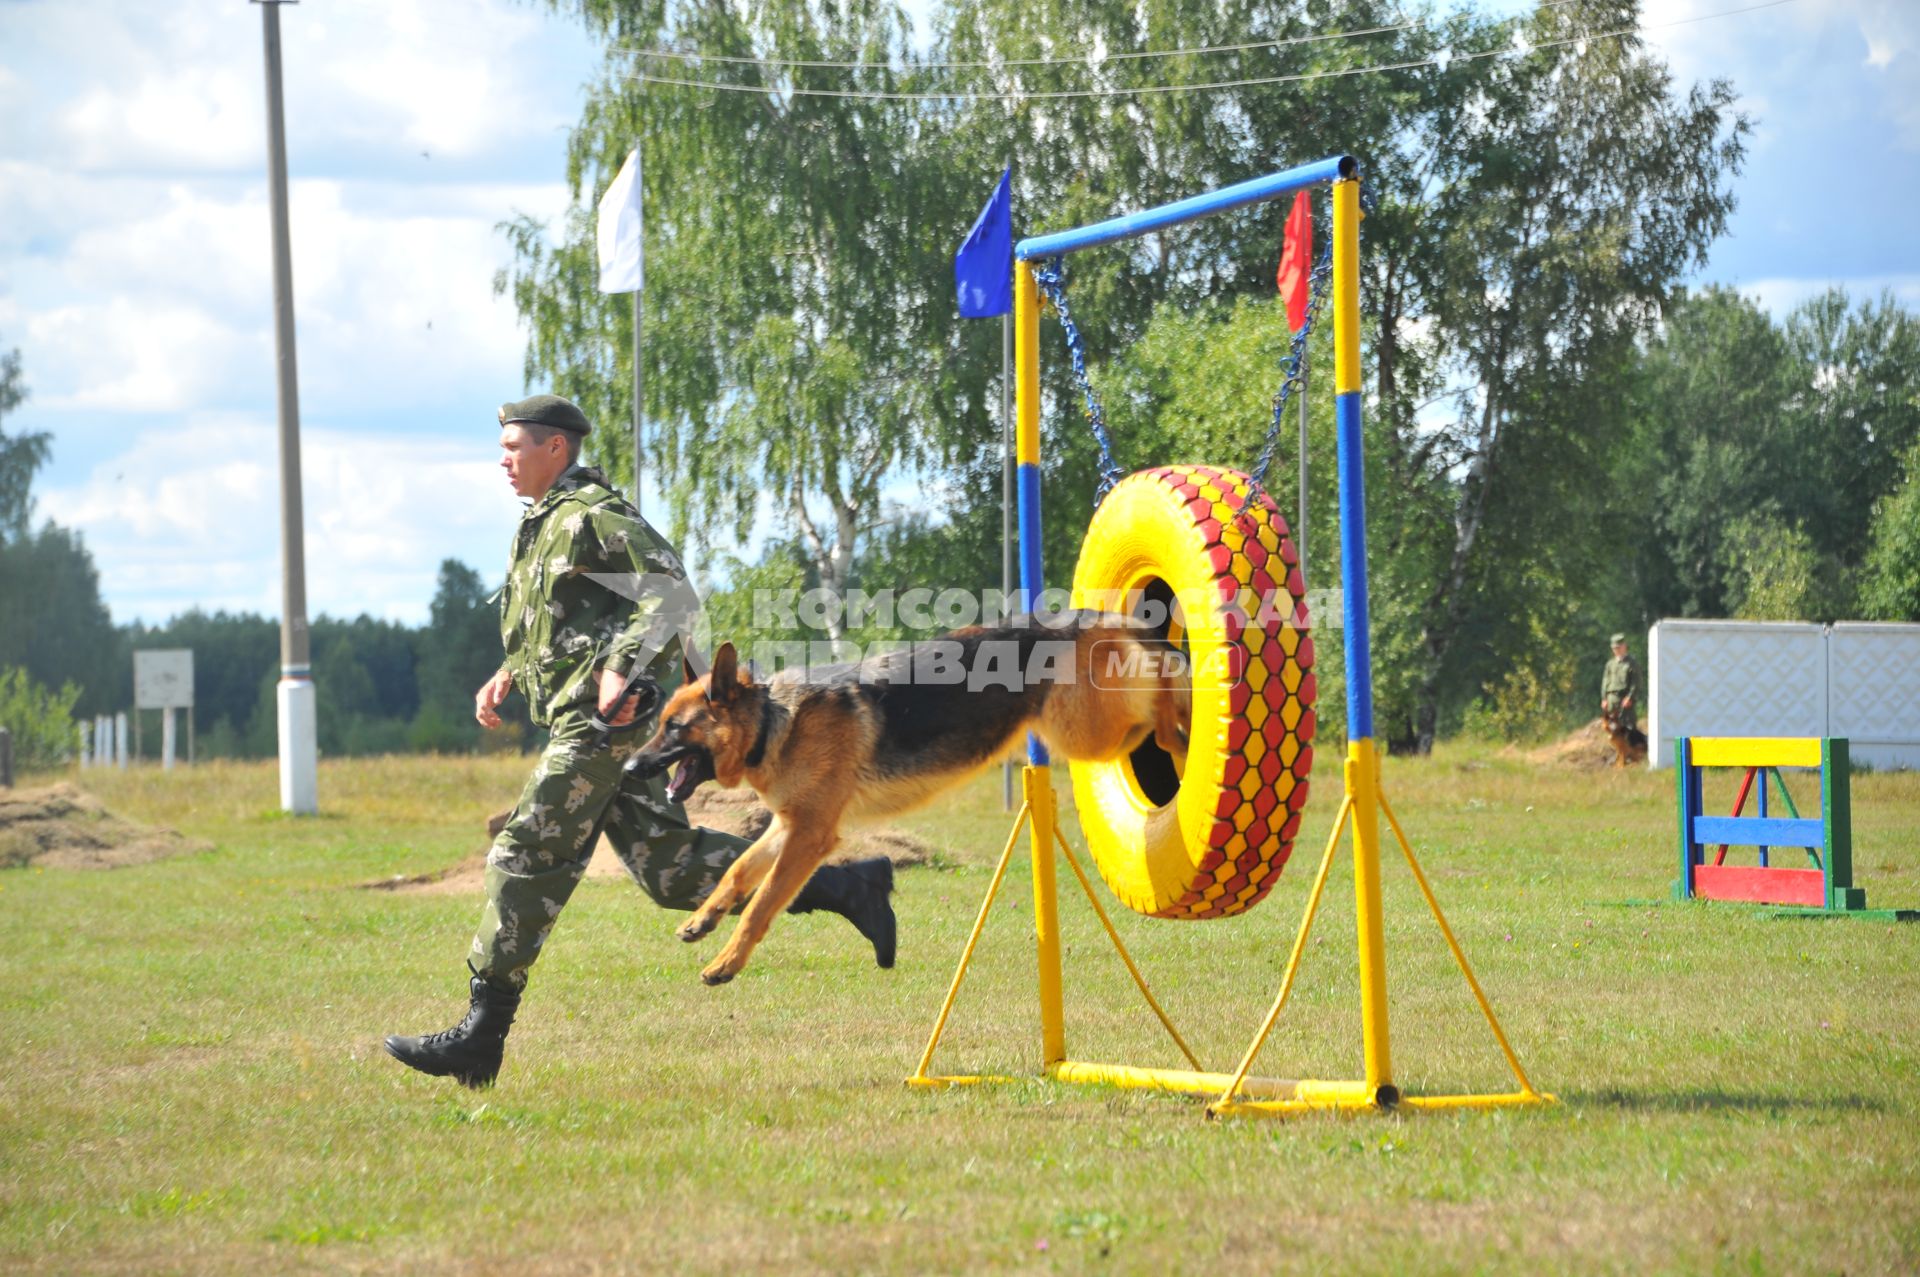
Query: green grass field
x=191 y=1078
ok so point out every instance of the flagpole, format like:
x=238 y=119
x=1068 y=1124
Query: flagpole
x=638 y=411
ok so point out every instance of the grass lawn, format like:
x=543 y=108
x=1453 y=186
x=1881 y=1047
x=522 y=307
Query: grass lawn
x=191 y=1078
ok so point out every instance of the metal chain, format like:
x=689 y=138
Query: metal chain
x=1053 y=281
x=1294 y=365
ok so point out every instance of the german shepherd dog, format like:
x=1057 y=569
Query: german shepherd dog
x=868 y=740
x=1629 y=742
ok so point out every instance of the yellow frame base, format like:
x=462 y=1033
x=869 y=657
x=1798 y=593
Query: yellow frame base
x=1236 y=1094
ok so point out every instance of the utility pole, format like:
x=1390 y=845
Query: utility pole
x=299 y=734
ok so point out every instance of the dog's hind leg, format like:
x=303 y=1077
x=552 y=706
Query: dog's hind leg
x=808 y=842
x=740 y=879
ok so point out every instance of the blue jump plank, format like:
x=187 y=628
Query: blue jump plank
x=1750 y=831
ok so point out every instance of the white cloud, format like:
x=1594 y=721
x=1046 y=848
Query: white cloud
x=1781 y=294
x=178 y=119
x=434 y=71
x=148 y=357
x=1816 y=47
x=169 y=87
x=169 y=309
x=192 y=511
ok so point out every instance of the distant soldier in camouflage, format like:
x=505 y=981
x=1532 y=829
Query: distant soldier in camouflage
x=591 y=592
x=1619 y=701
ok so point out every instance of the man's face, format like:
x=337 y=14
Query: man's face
x=1620 y=650
x=531 y=466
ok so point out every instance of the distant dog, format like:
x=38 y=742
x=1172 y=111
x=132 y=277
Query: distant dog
x=872 y=739
x=1629 y=742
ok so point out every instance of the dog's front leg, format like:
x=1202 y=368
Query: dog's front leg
x=799 y=856
x=741 y=878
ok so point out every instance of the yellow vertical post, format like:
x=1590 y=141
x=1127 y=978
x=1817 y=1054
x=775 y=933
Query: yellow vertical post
x=1046 y=914
x=1026 y=364
x=1363 y=788
x=1038 y=778
x=1363 y=759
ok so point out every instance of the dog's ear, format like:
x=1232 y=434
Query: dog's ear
x=723 y=679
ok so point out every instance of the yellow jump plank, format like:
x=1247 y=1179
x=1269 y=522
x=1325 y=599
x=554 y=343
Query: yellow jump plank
x=1756 y=751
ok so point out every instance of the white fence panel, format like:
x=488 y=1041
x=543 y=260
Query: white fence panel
x=1873 y=691
x=1856 y=679
x=1734 y=678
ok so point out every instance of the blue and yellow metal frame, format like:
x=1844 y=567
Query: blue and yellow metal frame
x=1363 y=803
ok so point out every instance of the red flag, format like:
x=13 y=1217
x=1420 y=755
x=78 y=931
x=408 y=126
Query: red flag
x=1296 y=261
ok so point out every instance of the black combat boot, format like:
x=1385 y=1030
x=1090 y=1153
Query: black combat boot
x=857 y=892
x=471 y=1050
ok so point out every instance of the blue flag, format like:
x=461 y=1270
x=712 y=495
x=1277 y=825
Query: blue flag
x=983 y=268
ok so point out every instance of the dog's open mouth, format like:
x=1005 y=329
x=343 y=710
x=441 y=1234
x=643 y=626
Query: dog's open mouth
x=693 y=771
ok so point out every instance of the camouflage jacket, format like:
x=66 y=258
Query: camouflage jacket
x=559 y=625
x=1620 y=679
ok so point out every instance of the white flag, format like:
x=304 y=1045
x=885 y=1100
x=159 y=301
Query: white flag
x=621 y=266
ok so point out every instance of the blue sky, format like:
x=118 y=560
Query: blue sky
x=134 y=269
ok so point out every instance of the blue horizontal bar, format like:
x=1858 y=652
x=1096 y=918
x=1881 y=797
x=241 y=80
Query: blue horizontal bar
x=1752 y=831
x=1130 y=225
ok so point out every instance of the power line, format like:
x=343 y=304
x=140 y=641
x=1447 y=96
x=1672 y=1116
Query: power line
x=879 y=95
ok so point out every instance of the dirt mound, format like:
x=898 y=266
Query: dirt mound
x=1587 y=748
x=65 y=827
x=733 y=811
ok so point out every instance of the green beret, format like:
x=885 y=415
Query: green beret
x=546 y=410
x=1618 y=638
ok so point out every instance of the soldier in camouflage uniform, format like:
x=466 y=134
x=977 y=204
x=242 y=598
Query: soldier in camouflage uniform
x=1620 y=689
x=590 y=594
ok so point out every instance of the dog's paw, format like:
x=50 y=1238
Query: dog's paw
x=718 y=973
x=694 y=928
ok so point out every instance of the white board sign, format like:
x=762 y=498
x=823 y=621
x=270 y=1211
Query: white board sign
x=163 y=679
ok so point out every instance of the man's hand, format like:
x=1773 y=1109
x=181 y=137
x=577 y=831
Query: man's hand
x=610 y=687
x=491 y=693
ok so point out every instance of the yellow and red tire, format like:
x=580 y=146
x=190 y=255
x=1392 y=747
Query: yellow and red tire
x=1216 y=847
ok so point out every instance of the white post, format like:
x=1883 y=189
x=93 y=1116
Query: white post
x=86 y=744
x=166 y=739
x=120 y=740
x=102 y=740
x=299 y=747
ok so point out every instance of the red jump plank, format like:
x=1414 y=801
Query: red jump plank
x=1759 y=886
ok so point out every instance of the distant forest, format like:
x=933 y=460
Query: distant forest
x=383 y=687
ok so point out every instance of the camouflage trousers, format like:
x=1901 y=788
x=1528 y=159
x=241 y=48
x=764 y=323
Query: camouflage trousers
x=575 y=794
x=1621 y=716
